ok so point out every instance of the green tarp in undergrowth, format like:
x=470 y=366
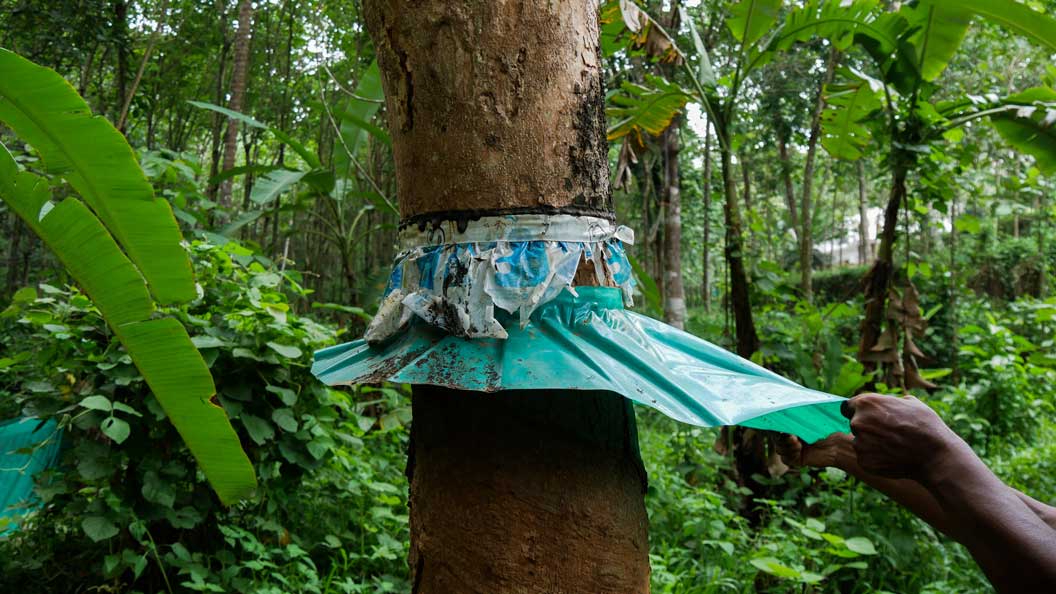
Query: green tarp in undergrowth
x=590 y=342
x=27 y=446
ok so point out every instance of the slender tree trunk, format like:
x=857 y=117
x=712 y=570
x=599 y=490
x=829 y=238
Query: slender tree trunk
x=219 y=121
x=122 y=119
x=526 y=493
x=121 y=43
x=878 y=280
x=705 y=280
x=14 y=253
x=790 y=199
x=238 y=92
x=747 y=338
x=750 y=212
x=786 y=178
x=955 y=377
x=674 y=291
x=863 y=216
x=806 y=237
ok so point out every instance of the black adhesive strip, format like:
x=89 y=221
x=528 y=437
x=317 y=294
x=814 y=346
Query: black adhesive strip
x=463 y=217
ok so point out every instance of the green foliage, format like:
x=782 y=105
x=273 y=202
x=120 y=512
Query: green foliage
x=647 y=108
x=1007 y=388
x=940 y=29
x=1031 y=127
x=44 y=110
x=850 y=109
x=330 y=513
x=95 y=159
x=749 y=20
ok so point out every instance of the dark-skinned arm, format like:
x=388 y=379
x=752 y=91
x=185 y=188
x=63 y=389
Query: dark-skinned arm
x=837 y=451
x=902 y=438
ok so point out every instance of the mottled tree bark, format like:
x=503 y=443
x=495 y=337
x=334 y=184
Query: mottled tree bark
x=674 y=290
x=498 y=107
x=14 y=253
x=494 y=105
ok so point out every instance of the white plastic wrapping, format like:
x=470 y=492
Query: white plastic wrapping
x=454 y=279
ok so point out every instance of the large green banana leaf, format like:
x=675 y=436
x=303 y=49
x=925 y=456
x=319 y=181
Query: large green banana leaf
x=849 y=107
x=45 y=111
x=941 y=28
x=1030 y=125
x=1011 y=14
x=749 y=20
x=649 y=108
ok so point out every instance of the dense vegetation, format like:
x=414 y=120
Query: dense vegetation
x=289 y=219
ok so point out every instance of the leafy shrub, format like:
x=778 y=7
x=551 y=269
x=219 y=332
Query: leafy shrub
x=1007 y=386
x=129 y=511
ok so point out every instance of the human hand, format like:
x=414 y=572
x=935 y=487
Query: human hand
x=897 y=437
x=822 y=453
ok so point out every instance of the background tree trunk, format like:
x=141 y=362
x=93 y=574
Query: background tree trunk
x=786 y=178
x=498 y=107
x=806 y=234
x=878 y=280
x=121 y=51
x=705 y=280
x=674 y=290
x=238 y=92
x=747 y=338
x=863 y=216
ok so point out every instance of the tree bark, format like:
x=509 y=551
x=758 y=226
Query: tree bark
x=121 y=43
x=218 y=121
x=786 y=177
x=878 y=280
x=747 y=338
x=705 y=280
x=14 y=253
x=495 y=108
x=806 y=237
x=163 y=12
x=863 y=216
x=238 y=92
x=674 y=290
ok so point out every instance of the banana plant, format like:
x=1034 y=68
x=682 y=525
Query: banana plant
x=757 y=33
x=122 y=245
x=909 y=50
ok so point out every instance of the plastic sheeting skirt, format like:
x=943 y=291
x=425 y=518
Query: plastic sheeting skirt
x=556 y=337
x=27 y=447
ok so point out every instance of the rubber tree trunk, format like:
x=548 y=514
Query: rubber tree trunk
x=674 y=290
x=497 y=107
x=239 y=76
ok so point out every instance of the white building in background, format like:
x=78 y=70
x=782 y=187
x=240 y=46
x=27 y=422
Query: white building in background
x=843 y=251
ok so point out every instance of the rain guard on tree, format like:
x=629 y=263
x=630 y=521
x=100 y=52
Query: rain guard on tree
x=490 y=304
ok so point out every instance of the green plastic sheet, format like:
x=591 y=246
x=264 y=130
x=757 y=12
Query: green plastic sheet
x=27 y=446
x=590 y=342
